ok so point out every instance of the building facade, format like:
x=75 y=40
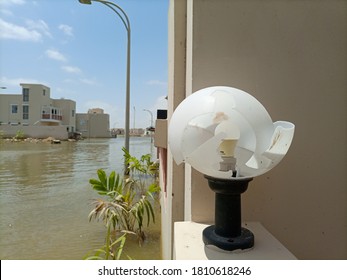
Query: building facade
x=94 y=124
x=36 y=114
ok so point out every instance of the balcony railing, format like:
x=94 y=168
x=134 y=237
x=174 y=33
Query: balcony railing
x=52 y=117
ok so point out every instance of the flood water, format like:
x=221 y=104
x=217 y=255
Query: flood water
x=45 y=198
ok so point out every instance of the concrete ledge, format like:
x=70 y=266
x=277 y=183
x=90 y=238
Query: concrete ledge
x=160 y=137
x=188 y=245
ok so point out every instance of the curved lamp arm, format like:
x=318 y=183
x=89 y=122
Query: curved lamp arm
x=122 y=15
x=125 y=20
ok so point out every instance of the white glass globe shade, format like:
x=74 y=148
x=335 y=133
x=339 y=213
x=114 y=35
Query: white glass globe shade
x=226 y=133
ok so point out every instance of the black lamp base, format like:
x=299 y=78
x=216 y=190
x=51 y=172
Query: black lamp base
x=244 y=241
x=227 y=233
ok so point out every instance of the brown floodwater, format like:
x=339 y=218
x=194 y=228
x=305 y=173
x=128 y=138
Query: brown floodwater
x=45 y=199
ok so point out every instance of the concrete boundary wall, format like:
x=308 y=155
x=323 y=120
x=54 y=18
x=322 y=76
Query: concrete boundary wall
x=57 y=132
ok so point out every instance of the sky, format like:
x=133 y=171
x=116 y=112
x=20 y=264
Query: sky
x=79 y=51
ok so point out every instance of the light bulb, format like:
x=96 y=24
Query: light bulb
x=227 y=147
x=227 y=152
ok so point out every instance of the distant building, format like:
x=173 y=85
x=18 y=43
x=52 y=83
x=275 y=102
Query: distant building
x=94 y=124
x=115 y=132
x=96 y=111
x=137 y=132
x=36 y=114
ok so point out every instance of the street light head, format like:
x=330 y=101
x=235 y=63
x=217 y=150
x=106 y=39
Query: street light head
x=85 y=2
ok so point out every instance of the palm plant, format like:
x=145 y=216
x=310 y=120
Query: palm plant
x=128 y=204
x=113 y=249
x=125 y=210
x=143 y=166
x=143 y=172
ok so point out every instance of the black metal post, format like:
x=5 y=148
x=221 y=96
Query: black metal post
x=227 y=233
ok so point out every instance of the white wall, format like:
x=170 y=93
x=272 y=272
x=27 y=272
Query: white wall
x=292 y=56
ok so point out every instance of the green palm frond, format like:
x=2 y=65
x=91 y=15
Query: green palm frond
x=128 y=203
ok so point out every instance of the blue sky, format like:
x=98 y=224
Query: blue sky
x=79 y=51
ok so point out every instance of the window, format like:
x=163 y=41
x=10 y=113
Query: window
x=14 y=108
x=44 y=92
x=25 y=112
x=72 y=113
x=25 y=95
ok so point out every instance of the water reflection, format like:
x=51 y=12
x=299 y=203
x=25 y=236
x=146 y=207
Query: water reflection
x=45 y=198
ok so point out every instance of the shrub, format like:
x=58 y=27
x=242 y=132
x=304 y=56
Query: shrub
x=125 y=205
x=19 y=135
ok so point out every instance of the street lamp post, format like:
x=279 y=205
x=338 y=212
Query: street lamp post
x=124 y=18
x=151 y=122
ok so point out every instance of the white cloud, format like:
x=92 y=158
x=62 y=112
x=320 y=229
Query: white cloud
x=6 y=12
x=16 y=81
x=66 y=29
x=56 y=55
x=71 y=69
x=33 y=31
x=156 y=83
x=90 y=82
x=11 y=2
x=11 y=31
x=40 y=26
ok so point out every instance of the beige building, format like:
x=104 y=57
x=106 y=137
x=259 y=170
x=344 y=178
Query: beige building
x=94 y=124
x=36 y=114
x=96 y=111
x=291 y=55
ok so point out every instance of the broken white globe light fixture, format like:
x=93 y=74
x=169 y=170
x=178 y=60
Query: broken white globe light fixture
x=227 y=134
